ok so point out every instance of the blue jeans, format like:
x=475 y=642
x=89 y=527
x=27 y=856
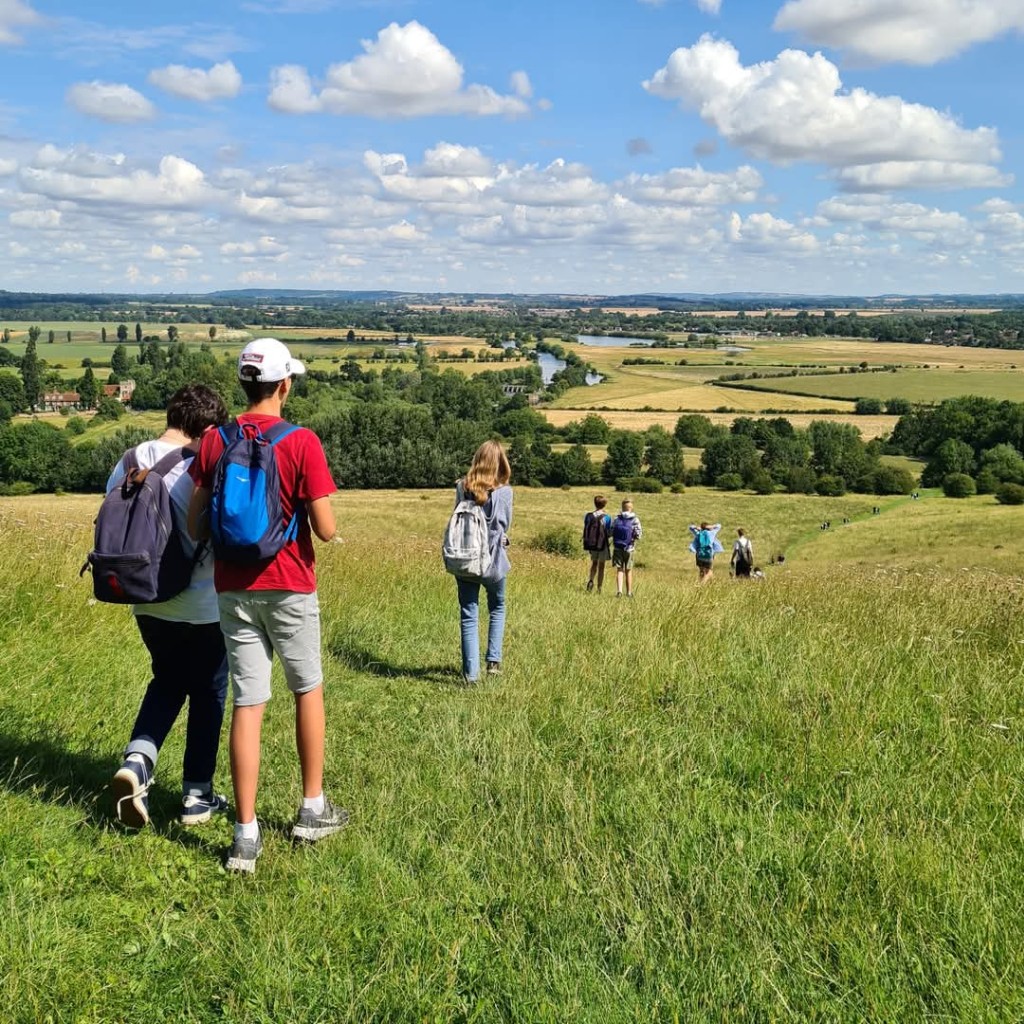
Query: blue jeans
x=188 y=663
x=469 y=607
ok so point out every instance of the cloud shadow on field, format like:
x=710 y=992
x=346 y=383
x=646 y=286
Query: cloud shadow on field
x=46 y=767
x=361 y=659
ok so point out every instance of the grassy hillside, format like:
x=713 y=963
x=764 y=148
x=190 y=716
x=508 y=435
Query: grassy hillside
x=796 y=799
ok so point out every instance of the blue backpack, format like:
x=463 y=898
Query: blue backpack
x=246 y=518
x=705 y=546
x=623 y=532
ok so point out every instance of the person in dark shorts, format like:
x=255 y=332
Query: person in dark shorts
x=597 y=526
x=742 y=559
x=705 y=545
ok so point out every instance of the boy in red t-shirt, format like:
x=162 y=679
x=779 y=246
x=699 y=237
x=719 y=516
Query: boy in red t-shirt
x=271 y=606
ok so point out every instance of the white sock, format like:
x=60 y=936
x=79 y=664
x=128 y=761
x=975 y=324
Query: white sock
x=314 y=803
x=247 y=829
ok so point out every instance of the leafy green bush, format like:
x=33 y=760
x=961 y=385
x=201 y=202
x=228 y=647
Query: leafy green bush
x=18 y=489
x=75 y=425
x=678 y=488
x=801 y=480
x=109 y=409
x=831 y=486
x=639 y=485
x=761 y=482
x=958 y=485
x=892 y=480
x=987 y=482
x=559 y=540
x=1010 y=494
x=729 y=482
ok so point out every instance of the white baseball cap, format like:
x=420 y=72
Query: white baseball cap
x=267 y=360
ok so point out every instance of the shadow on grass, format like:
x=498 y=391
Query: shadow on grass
x=362 y=660
x=46 y=766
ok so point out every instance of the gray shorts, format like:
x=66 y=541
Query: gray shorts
x=622 y=559
x=258 y=623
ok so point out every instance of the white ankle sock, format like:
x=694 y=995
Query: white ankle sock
x=247 y=830
x=314 y=803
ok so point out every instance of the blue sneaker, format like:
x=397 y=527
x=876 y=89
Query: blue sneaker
x=130 y=786
x=197 y=810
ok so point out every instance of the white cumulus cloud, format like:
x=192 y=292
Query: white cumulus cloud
x=110 y=101
x=7 y=167
x=761 y=232
x=177 y=183
x=405 y=72
x=15 y=15
x=916 y=174
x=221 y=82
x=710 y=6
x=903 y=31
x=46 y=220
x=794 y=108
x=693 y=186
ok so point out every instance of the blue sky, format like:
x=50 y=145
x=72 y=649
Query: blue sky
x=610 y=146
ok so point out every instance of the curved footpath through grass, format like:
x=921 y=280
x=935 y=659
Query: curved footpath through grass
x=791 y=800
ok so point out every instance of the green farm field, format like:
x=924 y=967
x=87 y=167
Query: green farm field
x=916 y=385
x=798 y=799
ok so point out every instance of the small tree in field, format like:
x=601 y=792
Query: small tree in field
x=959 y=485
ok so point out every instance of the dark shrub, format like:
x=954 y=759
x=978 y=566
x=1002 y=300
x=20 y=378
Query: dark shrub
x=892 y=480
x=959 y=485
x=559 y=540
x=831 y=486
x=1010 y=494
x=729 y=482
x=639 y=485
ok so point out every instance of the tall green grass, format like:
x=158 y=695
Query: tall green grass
x=796 y=799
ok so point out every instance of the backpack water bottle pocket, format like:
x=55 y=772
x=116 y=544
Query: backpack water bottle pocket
x=123 y=578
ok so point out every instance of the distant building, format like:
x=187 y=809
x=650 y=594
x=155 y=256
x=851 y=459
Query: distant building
x=122 y=392
x=54 y=401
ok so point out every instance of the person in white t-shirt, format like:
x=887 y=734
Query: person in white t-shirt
x=742 y=559
x=182 y=635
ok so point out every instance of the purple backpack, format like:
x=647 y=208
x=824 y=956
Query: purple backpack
x=138 y=556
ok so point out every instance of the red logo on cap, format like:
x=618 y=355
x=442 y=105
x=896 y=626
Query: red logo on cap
x=253 y=357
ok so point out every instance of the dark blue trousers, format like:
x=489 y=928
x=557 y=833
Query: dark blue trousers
x=189 y=664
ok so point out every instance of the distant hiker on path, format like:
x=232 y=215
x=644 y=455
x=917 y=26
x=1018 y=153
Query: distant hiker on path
x=626 y=531
x=262 y=490
x=742 y=559
x=705 y=546
x=475 y=553
x=182 y=634
x=597 y=540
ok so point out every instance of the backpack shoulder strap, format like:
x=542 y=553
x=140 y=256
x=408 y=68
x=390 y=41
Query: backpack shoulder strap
x=278 y=432
x=170 y=460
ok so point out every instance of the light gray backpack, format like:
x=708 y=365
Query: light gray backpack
x=466 y=549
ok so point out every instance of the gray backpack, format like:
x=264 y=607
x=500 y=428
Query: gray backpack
x=138 y=556
x=467 y=548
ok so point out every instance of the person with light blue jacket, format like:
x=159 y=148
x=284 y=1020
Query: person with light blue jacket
x=487 y=484
x=705 y=545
